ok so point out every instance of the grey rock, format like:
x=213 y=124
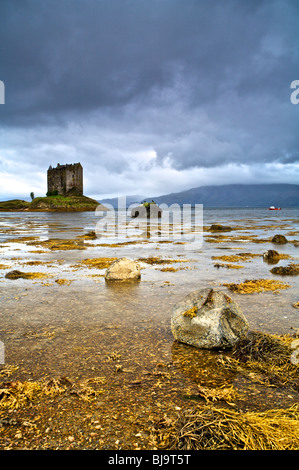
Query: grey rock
x=208 y=319
x=123 y=269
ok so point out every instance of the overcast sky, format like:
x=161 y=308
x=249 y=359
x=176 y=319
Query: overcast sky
x=151 y=96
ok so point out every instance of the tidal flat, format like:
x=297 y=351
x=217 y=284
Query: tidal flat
x=93 y=365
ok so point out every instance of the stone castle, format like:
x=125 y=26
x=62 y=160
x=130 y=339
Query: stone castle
x=66 y=180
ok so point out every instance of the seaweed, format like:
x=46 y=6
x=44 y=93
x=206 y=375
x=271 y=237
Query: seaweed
x=17 y=394
x=290 y=270
x=99 y=263
x=264 y=358
x=228 y=266
x=212 y=428
x=155 y=260
x=22 y=275
x=191 y=313
x=237 y=258
x=256 y=285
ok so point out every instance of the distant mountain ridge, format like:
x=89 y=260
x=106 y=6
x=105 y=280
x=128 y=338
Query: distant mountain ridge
x=230 y=195
x=237 y=195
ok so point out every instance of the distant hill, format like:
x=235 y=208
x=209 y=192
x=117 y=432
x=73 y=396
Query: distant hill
x=129 y=200
x=236 y=195
x=230 y=195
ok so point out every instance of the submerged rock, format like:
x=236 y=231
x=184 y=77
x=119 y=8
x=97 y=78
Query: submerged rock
x=208 y=319
x=123 y=269
x=279 y=239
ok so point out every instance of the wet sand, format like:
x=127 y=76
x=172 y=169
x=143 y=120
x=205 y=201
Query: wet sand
x=112 y=342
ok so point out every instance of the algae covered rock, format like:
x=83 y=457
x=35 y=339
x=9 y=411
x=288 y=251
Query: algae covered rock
x=279 y=239
x=15 y=274
x=271 y=256
x=290 y=270
x=208 y=319
x=123 y=269
x=21 y=275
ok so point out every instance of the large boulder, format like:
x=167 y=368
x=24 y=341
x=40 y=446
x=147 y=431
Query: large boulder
x=123 y=269
x=208 y=319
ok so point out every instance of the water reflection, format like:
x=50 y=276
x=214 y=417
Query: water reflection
x=122 y=289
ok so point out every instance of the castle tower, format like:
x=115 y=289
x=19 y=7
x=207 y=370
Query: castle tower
x=67 y=180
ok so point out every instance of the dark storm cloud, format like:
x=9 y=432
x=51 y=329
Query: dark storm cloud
x=201 y=83
x=80 y=55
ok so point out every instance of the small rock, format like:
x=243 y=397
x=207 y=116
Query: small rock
x=208 y=319
x=90 y=235
x=279 y=239
x=123 y=269
x=271 y=256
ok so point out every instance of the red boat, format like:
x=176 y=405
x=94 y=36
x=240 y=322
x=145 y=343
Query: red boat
x=272 y=208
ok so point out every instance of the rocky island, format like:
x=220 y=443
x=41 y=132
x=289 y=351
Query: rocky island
x=65 y=193
x=51 y=204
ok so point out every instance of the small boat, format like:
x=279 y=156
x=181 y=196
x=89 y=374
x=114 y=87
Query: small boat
x=273 y=208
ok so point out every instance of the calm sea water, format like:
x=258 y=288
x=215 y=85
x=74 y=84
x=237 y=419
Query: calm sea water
x=67 y=225
x=252 y=231
x=69 y=328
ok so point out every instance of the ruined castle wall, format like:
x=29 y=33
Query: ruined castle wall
x=74 y=180
x=56 y=180
x=66 y=179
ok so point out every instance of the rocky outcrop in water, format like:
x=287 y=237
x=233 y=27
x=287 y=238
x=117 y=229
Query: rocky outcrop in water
x=271 y=256
x=291 y=270
x=52 y=204
x=147 y=210
x=279 y=239
x=15 y=274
